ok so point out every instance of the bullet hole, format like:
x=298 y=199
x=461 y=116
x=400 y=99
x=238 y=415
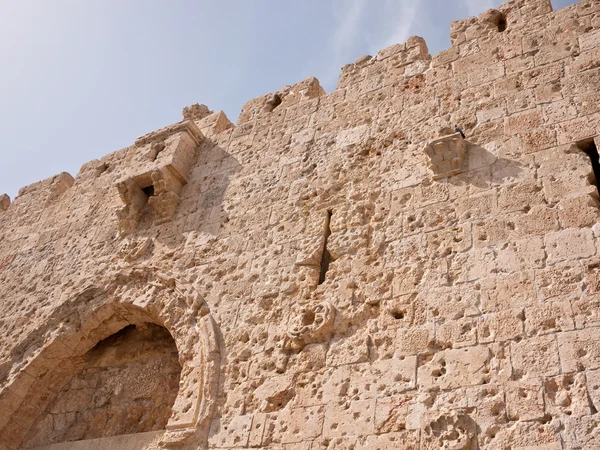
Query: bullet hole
x=398 y=315
x=149 y=190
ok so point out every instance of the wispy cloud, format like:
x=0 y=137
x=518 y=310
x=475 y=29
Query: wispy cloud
x=361 y=28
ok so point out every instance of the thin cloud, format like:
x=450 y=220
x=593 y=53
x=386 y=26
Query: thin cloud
x=361 y=29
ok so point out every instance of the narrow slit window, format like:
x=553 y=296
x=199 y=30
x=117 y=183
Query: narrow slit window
x=588 y=146
x=326 y=256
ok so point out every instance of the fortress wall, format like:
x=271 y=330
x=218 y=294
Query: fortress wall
x=365 y=293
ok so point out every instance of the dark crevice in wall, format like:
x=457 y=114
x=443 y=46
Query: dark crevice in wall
x=326 y=256
x=502 y=24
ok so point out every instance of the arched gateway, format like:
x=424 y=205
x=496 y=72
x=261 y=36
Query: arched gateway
x=139 y=296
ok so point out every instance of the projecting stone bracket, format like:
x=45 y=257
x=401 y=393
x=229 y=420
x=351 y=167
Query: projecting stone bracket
x=160 y=165
x=446 y=155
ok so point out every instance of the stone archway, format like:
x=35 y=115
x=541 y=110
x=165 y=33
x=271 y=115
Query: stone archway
x=131 y=297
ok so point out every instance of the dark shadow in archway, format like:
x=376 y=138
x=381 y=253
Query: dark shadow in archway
x=127 y=384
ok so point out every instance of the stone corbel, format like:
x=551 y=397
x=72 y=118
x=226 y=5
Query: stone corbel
x=446 y=155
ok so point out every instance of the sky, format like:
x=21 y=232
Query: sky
x=80 y=79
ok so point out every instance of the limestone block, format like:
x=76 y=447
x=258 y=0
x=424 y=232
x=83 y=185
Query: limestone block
x=570 y=243
x=557 y=188
x=457 y=333
x=392 y=412
x=581 y=432
x=593 y=386
x=450 y=369
x=501 y=326
x=548 y=318
x=587 y=7
x=579 y=350
x=450 y=303
x=293 y=425
x=539 y=219
x=349 y=418
x=413 y=341
x=578 y=212
x=478 y=206
x=257 y=430
x=586 y=311
x=274 y=393
x=407 y=439
x=428 y=219
x=521 y=255
x=407 y=279
x=567 y=395
x=233 y=434
x=350 y=350
x=446 y=155
x=489 y=407
x=442 y=243
x=519 y=196
x=523 y=122
x=466 y=267
x=492 y=231
x=526 y=436
x=535 y=357
x=524 y=400
x=562 y=280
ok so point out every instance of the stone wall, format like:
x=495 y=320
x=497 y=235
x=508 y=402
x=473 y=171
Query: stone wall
x=342 y=270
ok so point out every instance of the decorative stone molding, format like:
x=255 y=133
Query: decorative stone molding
x=313 y=324
x=446 y=155
x=160 y=166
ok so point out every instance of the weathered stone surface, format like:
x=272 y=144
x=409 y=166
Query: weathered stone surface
x=310 y=279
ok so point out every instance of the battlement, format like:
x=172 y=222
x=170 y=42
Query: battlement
x=475 y=43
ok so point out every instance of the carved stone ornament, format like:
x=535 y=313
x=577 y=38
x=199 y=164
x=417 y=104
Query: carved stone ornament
x=313 y=324
x=445 y=155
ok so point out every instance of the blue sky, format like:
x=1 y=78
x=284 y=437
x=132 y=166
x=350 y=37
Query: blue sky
x=80 y=79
